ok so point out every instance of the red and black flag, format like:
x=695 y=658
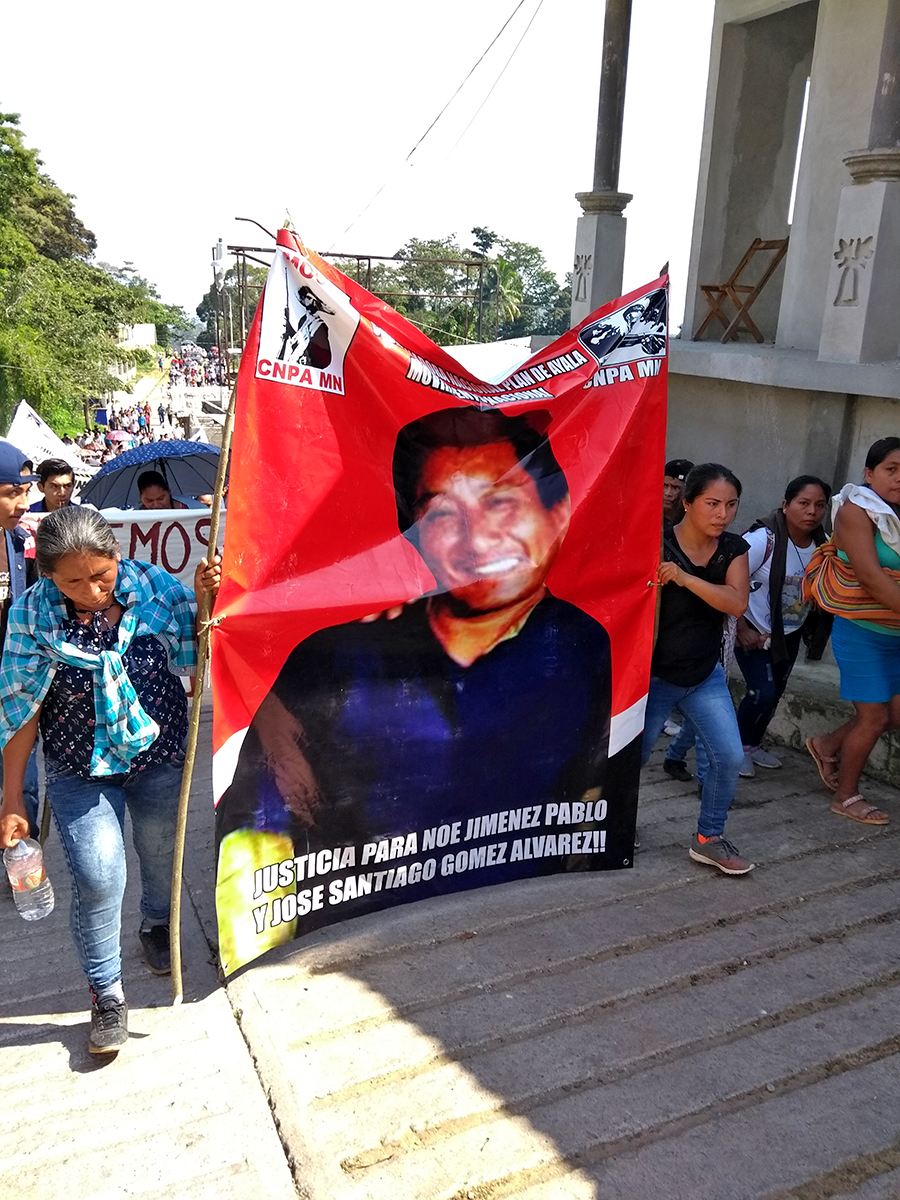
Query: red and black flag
x=432 y=664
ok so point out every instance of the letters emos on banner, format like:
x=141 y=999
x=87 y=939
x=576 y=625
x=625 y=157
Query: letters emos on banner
x=174 y=539
x=431 y=660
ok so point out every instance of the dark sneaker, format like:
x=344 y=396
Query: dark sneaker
x=109 y=1025
x=155 y=943
x=677 y=768
x=719 y=852
x=762 y=758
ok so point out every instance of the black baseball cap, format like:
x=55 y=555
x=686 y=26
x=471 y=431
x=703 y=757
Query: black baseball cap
x=13 y=462
x=678 y=468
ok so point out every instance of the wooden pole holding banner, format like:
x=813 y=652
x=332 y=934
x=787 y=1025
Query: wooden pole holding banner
x=203 y=631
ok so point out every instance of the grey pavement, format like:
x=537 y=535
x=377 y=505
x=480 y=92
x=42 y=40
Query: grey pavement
x=180 y=1113
x=661 y=1032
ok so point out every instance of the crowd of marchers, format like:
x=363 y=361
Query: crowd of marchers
x=756 y=597
x=193 y=366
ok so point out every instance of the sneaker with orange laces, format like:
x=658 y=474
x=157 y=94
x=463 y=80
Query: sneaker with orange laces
x=719 y=852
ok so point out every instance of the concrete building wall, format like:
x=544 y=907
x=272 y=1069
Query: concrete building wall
x=761 y=56
x=775 y=57
x=765 y=435
x=769 y=434
x=760 y=60
x=842 y=89
x=771 y=412
x=874 y=419
x=774 y=411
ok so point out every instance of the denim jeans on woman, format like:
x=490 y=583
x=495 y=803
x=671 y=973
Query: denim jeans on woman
x=766 y=681
x=90 y=817
x=710 y=711
x=681 y=743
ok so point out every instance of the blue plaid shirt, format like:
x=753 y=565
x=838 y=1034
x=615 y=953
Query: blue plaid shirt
x=155 y=603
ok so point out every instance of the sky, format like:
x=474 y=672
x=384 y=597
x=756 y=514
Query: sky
x=167 y=121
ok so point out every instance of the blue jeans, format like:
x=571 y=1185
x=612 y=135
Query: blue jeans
x=766 y=681
x=708 y=707
x=680 y=744
x=90 y=817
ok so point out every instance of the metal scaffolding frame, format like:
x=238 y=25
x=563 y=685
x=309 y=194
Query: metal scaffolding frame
x=472 y=295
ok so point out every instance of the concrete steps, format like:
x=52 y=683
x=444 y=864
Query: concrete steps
x=664 y=1031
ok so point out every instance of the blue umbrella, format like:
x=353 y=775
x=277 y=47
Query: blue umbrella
x=189 y=468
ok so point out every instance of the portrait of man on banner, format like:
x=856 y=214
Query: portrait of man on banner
x=488 y=694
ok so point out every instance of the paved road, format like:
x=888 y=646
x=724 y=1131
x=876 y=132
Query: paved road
x=662 y=1032
x=181 y=1113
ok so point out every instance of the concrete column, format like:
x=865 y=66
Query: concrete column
x=862 y=307
x=885 y=127
x=600 y=233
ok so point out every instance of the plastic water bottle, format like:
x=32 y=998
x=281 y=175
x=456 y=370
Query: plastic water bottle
x=31 y=889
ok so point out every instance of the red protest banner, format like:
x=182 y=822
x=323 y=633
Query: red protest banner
x=432 y=665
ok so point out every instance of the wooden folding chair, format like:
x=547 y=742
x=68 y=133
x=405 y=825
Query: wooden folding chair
x=740 y=295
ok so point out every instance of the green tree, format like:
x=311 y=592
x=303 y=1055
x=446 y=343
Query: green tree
x=60 y=315
x=484 y=240
x=380 y=278
x=544 y=307
x=442 y=290
x=30 y=200
x=431 y=284
x=443 y=287
x=516 y=290
x=509 y=291
x=172 y=323
x=59 y=326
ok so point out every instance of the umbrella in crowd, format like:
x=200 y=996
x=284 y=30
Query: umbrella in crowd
x=189 y=469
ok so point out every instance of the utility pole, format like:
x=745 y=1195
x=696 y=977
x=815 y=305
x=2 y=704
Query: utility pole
x=218 y=267
x=600 y=233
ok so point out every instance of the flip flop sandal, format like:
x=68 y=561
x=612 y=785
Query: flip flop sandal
x=829 y=778
x=865 y=817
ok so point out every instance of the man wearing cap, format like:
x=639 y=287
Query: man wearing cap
x=16 y=478
x=673 y=489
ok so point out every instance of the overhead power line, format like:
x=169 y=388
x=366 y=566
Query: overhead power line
x=463 y=84
x=493 y=41
x=497 y=80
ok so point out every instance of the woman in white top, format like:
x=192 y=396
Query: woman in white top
x=769 y=633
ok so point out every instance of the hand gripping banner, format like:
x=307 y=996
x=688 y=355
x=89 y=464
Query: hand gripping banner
x=437 y=609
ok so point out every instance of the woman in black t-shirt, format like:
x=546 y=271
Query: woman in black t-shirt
x=703 y=577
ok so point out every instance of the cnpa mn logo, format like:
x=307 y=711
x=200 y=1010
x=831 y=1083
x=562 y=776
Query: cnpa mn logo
x=306 y=327
x=289 y=372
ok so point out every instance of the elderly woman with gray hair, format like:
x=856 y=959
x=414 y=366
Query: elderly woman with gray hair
x=92 y=661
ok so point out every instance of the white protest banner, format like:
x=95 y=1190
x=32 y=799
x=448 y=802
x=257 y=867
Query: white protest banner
x=33 y=436
x=174 y=539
